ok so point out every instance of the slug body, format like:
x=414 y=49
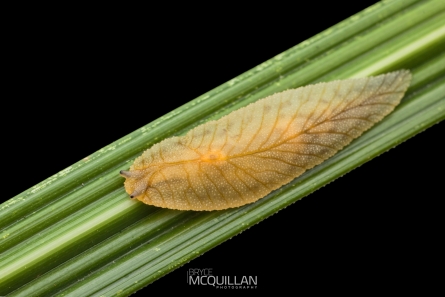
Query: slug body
x=256 y=149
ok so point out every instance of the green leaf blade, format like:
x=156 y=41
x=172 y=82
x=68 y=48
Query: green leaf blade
x=139 y=244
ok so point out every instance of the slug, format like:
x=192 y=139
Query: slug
x=256 y=149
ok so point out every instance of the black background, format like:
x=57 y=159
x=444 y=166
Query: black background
x=72 y=89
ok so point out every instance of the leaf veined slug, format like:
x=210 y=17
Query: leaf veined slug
x=256 y=149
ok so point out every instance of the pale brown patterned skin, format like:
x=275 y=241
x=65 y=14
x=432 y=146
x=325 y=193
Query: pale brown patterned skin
x=252 y=151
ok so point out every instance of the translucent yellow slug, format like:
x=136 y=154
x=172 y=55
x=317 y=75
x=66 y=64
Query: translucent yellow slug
x=256 y=149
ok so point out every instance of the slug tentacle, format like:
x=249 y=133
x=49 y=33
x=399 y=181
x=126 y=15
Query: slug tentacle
x=125 y=173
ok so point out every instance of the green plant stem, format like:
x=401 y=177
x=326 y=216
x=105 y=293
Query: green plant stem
x=79 y=231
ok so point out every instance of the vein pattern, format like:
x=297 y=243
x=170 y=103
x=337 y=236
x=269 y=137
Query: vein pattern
x=252 y=151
